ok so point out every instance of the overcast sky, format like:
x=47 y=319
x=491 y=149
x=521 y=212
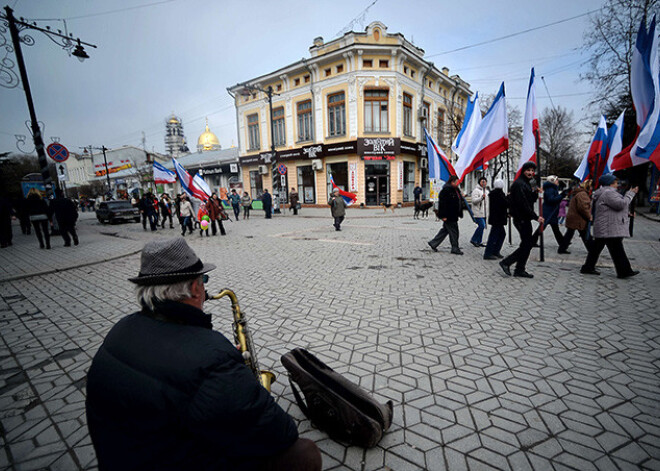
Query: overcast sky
x=180 y=56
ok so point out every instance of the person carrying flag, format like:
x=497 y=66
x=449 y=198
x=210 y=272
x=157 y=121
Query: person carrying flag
x=338 y=208
x=522 y=211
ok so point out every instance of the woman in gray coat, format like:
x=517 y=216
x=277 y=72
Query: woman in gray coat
x=610 y=227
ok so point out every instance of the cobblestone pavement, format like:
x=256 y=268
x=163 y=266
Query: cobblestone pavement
x=486 y=372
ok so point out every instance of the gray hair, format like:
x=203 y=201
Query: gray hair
x=147 y=295
x=499 y=183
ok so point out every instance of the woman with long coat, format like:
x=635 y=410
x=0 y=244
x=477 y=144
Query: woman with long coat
x=551 y=200
x=267 y=202
x=497 y=218
x=40 y=216
x=610 y=227
x=578 y=216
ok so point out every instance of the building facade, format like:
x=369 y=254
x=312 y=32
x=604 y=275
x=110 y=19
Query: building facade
x=354 y=112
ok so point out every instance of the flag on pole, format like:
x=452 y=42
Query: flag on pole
x=350 y=198
x=530 y=138
x=187 y=183
x=471 y=124
x=163 y=175
x=645 y=90
x=490 y=140
x=614 y=142
x=202 y=185
x=592 y=163
x=440 y=168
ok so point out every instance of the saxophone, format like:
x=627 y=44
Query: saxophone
x=243 y=339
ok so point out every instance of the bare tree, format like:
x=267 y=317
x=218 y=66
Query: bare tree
x=560 y=142
x=610 y=41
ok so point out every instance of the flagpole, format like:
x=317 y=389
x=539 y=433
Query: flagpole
x=508 y=185
x=538 y=161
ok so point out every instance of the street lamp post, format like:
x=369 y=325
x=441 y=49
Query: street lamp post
x=67 y=42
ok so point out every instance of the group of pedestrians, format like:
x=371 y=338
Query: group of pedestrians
x=609 y=214
x=35 y=212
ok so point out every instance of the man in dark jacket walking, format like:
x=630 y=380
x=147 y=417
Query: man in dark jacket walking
x=184 y=399
x=497 y=218
x=67 y=215
x=337 y=208
x=450 y=210
x=522 y=198
x=146 y=206
x=267 y=203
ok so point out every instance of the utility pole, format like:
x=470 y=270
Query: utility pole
x=66 y=42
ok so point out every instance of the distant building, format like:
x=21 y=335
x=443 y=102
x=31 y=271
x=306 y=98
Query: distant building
x=354 y=111
x=175 y=141
x=207 y=140
x=218 y=168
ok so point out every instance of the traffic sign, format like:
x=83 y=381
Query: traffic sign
x=57 y=152
x=62 y=173
x=281 y=169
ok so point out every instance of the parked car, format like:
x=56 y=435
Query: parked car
x=113 y=211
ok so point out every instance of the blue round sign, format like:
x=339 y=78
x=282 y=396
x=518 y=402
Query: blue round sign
x=57 y=152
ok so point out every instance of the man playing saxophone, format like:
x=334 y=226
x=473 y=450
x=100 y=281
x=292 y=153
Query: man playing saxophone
x=167 y=392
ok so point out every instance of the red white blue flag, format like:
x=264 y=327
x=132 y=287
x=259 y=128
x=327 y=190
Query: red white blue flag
x=614 y=142
x=530 y=138
x=594 y=160
x=440 y=168
x=645 y=90
x=350 y=198
x=163 y=175
x=490 y=140
x=187 y=183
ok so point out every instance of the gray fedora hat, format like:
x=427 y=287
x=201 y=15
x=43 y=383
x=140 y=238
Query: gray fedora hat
x=169 y=261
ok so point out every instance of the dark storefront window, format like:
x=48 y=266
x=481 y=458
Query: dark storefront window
x=256 y=184
x=306 y=191
x=408 y=181
x=377 y=178
x=426 y=187
x=339 y=174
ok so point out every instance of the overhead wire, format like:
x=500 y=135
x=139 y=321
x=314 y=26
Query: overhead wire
x=109 y=12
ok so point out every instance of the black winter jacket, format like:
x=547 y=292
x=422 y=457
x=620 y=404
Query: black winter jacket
x=36 y=205
x=450 y=203
x=65 y=211
x=166 y=392
x=497 y=215
x=551 y=199
x=521 y=200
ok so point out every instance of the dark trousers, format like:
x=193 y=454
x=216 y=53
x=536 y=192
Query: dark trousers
x=26 y=228
x=303 y=455
x=269 y=211
x=153 y=221
x=5 y=232
x=338 y=222
x=237 y=210
x=559 y=237
x=568 y=237
x=478 y=235
x=496 y=239
x=295 y=209
x=165 y=216
x=521 y=254
x=449 y=228
x=617 y=252
x=68 y=231
x=186 y=224
x=39 y=228
x=246 y=212
x=222 y=228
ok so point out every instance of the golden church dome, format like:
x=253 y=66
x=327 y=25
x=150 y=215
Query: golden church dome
x=174 y=120
x=208 y=140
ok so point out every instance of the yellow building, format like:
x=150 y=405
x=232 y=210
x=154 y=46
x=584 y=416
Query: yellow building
x=355 y=111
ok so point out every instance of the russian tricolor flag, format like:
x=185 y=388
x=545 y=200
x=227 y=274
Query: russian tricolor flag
x=350 y=198
x=440 y=168
x=530 y=138
x=187 y=183
x=594 y=159
x=645 y=90
x=490 y=140
x=163 y=175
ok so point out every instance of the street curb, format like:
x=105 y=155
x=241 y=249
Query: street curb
x=58 y=270
x=645 y=216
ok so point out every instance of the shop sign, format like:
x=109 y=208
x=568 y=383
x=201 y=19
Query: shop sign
x=414 y=149
x=348 y=147
x=209 y=171
x=352 y=177
x=379 y=146
x=379 y=157
x=400 y=179
x=312 y=152
x=233 y=168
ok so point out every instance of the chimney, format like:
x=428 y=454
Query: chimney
x=318 y=41
x=445 y=70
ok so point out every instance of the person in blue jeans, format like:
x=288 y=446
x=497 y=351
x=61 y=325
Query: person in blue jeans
x=479 y=195
x=497 y=218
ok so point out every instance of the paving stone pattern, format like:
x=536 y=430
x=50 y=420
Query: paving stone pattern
x=486 y=372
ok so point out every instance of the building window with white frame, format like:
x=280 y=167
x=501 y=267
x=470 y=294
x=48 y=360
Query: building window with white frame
x=407 y=114
x=279 y=137
x=336 y=114
x=305 y=121
x=253 y=132
x=376 y=111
